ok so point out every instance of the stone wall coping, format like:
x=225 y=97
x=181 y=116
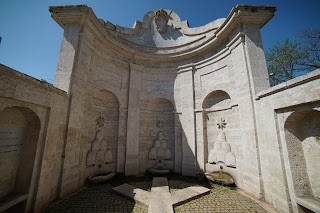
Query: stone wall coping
x=289 y=84
x=14 y=73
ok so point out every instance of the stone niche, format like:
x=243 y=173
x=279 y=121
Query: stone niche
x=19 y=133
x=302 y=134
x=157 y=136
x=221 y=135
x=101 y=152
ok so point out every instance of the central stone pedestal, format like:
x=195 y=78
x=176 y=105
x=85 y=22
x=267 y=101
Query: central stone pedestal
x=160 y=200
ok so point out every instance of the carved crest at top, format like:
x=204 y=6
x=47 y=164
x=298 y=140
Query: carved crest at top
x=161 y=20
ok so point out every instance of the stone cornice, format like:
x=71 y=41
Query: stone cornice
x=241 y=14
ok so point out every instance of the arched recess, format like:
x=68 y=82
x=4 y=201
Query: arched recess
x=101 y=150
x=19 y=134
x=302 y=134
x=216 y=99
x=157 y=120
x=220 y=131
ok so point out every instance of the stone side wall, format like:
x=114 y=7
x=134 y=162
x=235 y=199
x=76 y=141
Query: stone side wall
x=279 y=109
x=47 y=104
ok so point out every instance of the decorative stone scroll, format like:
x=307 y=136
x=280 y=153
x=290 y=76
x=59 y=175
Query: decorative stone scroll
x=99 y=153
x=159 y=148
x=221 y=152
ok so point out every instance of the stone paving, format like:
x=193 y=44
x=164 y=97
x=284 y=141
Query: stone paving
x=100 y=198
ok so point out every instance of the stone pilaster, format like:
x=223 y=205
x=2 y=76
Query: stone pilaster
x=133 y=126
x=122 y=137
x=187 y=120
x=67 y=57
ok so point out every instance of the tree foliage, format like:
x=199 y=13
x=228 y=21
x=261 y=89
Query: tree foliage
x=310 y=44
x=288 y=59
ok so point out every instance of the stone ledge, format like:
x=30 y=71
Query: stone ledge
x=309 y=203
x=289 y=84
x=13 y=200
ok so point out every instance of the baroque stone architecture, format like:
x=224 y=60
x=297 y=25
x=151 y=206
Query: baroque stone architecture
x=196 y=99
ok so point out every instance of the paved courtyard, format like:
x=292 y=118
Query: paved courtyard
x=100 y=198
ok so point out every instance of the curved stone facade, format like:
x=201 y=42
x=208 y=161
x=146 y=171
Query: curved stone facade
x=193 y=99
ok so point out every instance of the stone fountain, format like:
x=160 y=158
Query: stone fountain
x=100 y=176
x=220 y=177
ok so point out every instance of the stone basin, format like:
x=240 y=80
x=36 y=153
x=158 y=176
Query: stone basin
x=100 y=177
x=156 y=171
x=220 y=177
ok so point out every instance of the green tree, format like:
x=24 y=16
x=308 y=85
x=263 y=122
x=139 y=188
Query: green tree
x=310 y=44
x=284 y=61
x=288 y=59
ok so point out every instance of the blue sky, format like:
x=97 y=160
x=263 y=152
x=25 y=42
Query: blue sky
x=31 y=39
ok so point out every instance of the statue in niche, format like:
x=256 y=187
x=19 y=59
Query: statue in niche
x=160 y=148
x=161 y=19
x=221 y=152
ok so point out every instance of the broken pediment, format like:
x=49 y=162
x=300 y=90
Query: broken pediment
x=163 y=28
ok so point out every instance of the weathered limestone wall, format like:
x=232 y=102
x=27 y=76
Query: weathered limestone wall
x=188 y=99
x=223 y=94
x=98 y=102
x=288 y=132
x=39 y=111
x=138 y=83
